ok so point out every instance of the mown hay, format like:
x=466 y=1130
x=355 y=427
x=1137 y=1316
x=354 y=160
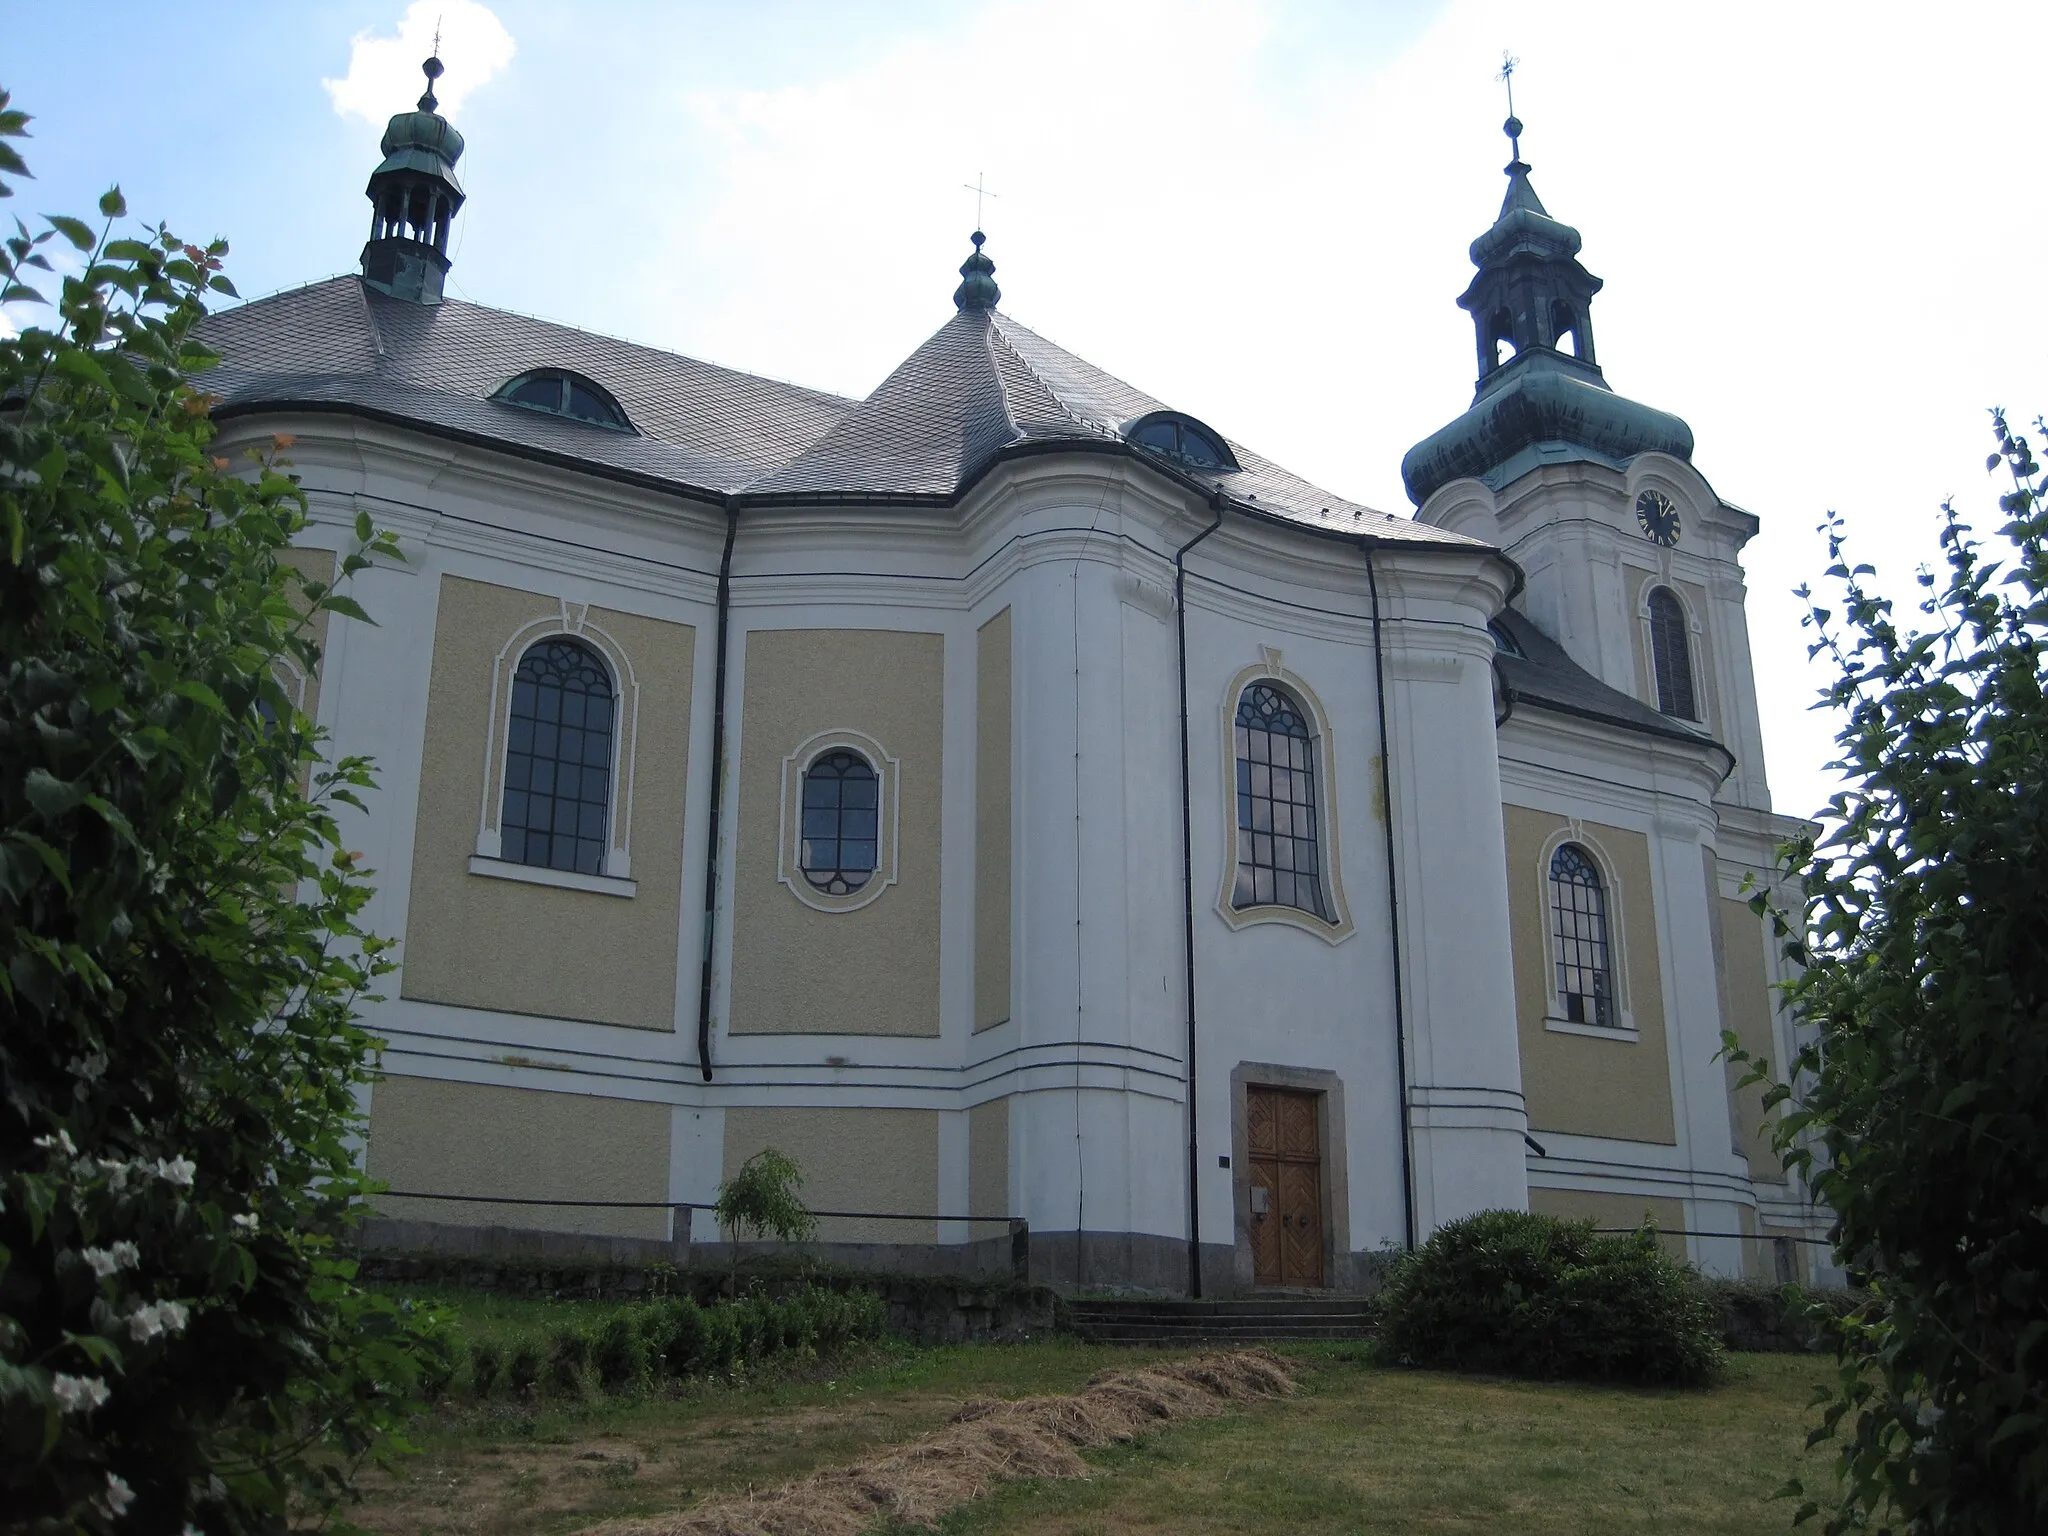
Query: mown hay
x=987 y=1442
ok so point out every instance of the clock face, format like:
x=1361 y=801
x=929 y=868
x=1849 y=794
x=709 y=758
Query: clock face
x=1659 y=516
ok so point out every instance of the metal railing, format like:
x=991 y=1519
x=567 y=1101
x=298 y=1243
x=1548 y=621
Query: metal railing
x=1019 y=1229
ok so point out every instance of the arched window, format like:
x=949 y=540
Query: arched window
x=561 y=393
x=1174 y=436
x=558 y=759
x=1500 y=337
x=1565 y=326
x=841 y=822
x=1279 y=847
x=1671 y=655
x=1578 y=921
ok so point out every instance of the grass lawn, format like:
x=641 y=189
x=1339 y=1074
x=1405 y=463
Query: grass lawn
x=1367 y=1450
x=491 y=1468
x=1361 y=1448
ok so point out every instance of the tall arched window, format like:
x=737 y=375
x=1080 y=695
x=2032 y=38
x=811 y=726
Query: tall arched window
x=558 y=759
x=842 y=822
x=1671 y=655
x=1279 y=847
x=1578 y=921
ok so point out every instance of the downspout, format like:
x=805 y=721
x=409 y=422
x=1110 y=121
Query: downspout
x=1379 y=674
x=1187 y=876
x=732 y=528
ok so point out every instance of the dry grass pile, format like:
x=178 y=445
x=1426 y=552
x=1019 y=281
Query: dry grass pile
x=987 y=1442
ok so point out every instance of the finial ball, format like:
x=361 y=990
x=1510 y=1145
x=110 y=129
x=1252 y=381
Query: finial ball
x=433 y=69
x=1512 y=127
x=979 y=239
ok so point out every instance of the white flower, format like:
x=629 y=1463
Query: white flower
x=115 y=1501
x=78 y=1394
x=176 y=1170
x=247 y=1222
x=103 y=1262
x=155 y=1317
x=61 y=1139
x=127 y=1255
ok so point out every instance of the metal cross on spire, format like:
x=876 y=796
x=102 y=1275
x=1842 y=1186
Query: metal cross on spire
x=1508 y=65
x=979 y=192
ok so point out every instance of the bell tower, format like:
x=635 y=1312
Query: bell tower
x=414 y=197
x=1631 y=560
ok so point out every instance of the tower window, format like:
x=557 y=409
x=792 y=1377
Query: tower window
x=1578 y=916
x=1173 y=436
x=1279 y=838
x=841 y=837
x=561 y=393
x=1671 y=655
x=558 y=760
x=1500 y=343
x=1566 y=326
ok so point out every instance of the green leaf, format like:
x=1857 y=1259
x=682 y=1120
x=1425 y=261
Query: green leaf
x=199 y=693
x=335 y=602
x=51 y=796
x=74 y=230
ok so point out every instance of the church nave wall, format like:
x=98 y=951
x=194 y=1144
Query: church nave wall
x=479 y=1139
x=853 y=1159
x=1580 y=1076
x=805 y=961
x=487 y=932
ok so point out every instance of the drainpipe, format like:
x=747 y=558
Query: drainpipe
x=1379 y=674
x=1187 y=876
x=732 y=528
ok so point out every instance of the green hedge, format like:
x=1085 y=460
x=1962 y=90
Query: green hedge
x=674 y=1339
x=1529 y=1295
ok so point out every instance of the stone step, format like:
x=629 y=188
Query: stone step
x=1235 y=1320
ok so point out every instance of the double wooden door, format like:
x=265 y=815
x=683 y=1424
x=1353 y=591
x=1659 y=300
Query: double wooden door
x=1284 y=1139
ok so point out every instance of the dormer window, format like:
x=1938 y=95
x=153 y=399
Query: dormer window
x=561 y=393
x=1182 y=439
x=1504 y=641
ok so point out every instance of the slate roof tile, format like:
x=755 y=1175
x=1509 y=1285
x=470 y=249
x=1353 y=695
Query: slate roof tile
x=1544 y=675
x=980 y=385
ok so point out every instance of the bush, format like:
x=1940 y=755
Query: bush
x=568 y=1354
x=486 y=1365
x=1530 y=1295
x=183 y=1341
x=522 y=1370
x=677 y=1336
x=620 y=1354
x=1912 y=1106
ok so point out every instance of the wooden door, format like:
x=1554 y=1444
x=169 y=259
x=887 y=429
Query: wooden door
x=1284 y=1140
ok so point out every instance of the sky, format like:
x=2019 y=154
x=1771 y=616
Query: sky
x=1820 y=226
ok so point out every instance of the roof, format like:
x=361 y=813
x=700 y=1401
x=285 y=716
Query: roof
x=1543 y=675
x=981 y=388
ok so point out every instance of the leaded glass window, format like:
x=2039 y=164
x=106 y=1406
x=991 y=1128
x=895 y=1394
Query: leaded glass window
x=1671 y=655
x=1578 y=921
x=561 y=393
x=558 y=762
x=842 y=822
x=1279 y=851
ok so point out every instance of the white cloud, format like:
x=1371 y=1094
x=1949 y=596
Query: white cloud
x=1803 y=217
x=384 y=72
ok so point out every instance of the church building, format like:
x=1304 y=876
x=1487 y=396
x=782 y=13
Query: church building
x=1056 y=826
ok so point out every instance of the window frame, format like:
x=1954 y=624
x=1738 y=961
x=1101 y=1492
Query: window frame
x=620 y=421
x=1182 y=424
x=571 y=621
x=1338 y=926
x=1615 y=899
x=789 y=870
x=1687 y=667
